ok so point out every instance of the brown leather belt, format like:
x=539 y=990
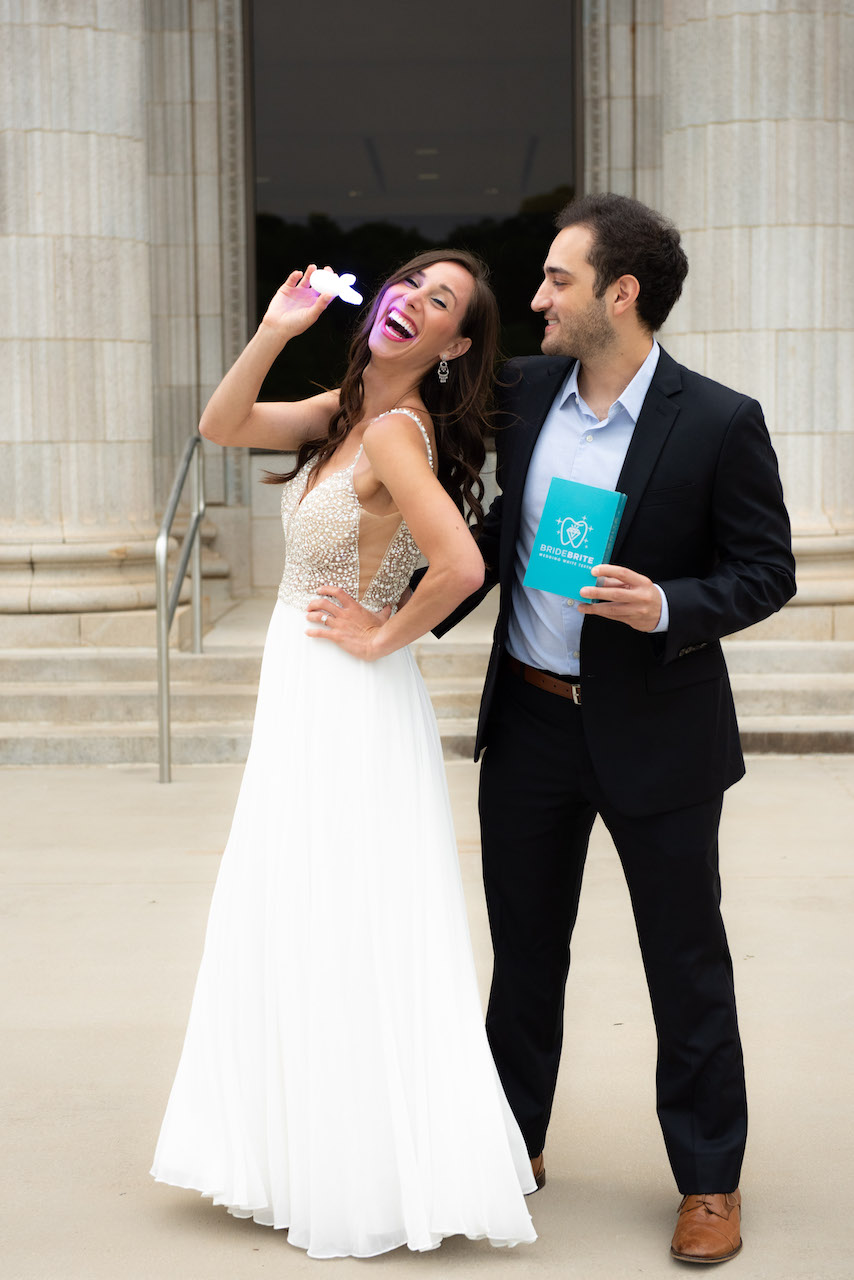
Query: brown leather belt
x=563 y=686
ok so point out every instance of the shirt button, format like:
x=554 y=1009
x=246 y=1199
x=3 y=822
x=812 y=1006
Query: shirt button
x=589 y=439
x=576 y=654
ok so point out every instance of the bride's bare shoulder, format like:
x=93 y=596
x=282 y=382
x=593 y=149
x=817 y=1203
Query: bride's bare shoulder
x=403 y=425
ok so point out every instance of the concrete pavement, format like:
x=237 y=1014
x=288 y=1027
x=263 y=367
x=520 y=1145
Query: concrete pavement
x=107 y=876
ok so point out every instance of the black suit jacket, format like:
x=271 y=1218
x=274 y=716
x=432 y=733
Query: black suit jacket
x=705 y=519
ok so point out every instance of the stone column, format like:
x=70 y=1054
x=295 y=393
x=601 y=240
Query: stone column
x=198 y=257
x=76 y=517
x=622 y=97
x=758 y=172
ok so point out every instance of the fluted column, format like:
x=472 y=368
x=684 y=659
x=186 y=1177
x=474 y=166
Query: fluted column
x=198 y=259
x=623 y=94
x=76 y=518
x=758 y=172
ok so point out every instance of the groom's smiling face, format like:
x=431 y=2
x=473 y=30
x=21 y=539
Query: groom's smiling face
x=577 y=322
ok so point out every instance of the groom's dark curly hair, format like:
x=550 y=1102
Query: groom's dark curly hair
x=630 y=239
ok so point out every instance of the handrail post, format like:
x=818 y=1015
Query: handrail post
x=198 y=505
x=167 y=602
x=161 y=555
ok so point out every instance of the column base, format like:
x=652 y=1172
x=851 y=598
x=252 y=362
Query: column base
x=114 y=628
x=77 y=577
x=823 y=609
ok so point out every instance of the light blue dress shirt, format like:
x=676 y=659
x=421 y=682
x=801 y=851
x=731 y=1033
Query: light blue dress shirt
x=545 y=629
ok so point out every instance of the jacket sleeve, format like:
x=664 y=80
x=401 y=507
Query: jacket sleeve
x=754 y=571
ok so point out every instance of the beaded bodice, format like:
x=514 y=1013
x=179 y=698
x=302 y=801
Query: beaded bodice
x=328 y=532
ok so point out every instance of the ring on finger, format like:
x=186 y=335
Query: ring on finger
x=324 y=619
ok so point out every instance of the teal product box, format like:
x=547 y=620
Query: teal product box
x=577 y=530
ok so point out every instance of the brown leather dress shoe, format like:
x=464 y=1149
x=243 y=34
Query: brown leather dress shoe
x=709 y=1228
x=538 y=1168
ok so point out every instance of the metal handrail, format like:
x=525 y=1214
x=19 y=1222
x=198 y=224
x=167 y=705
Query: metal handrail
x=167 y=601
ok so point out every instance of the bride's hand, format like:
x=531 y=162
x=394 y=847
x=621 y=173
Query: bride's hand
x=337 y=616
x=296 y=306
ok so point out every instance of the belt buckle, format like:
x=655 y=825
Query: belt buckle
x=576 y=693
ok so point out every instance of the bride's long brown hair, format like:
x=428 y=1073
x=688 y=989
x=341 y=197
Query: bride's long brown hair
x=460 y=408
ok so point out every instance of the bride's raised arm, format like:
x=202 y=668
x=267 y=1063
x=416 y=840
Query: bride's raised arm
x=233 y=416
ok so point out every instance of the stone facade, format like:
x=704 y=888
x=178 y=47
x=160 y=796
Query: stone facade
x=122 y=241
x=123 y=250
x=736 y=117
x=76 y=498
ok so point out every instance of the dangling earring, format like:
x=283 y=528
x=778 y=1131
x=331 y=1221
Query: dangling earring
x=443 y=371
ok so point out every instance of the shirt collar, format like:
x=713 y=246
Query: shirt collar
x=632 y=398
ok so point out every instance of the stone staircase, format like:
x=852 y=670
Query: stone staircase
x=793 y=696
x=98 y=706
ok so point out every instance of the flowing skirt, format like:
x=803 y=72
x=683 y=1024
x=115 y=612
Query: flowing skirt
x=336 y=1079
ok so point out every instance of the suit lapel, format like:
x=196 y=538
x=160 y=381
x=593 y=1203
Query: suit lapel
x=656 y=419
x=533 y=406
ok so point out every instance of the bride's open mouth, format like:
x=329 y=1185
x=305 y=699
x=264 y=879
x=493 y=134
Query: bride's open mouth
x=397 y=327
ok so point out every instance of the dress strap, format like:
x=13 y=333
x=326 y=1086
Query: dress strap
x=410 y=413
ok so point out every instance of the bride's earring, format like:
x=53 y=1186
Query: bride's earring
x=443 y=371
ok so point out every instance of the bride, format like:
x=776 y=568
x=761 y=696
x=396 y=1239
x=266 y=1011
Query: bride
x=335 y=1079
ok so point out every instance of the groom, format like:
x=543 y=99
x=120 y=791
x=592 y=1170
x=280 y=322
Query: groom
x=623 y=707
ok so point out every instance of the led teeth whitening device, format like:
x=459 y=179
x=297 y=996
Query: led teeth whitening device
x=339 y=286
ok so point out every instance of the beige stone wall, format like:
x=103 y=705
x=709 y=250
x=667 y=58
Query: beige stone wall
x=623 y=94
x=123 y=238
x=758 y=147
x=748 y=144
x=75 y=342
x=197 y=189
x=123 y=257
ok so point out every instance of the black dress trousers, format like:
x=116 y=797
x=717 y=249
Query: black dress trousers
x=538 y=800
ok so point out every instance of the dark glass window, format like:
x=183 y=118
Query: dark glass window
x=384 y=129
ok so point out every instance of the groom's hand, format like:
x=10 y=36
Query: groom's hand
x=623 y=595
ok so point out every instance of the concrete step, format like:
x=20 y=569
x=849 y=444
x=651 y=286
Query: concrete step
x=121 y=702
x=454 y=697
x=228 y=742
x=436 y=659
x=762 y=735
x=99 y=705
x=457 y=734
x=108 y=742
x=134 y=665
x=117 y=743
x=448 y=659
x=810 y=694
x=124 y=701
x=789 y=656
x=755 y=694
x=797 y=735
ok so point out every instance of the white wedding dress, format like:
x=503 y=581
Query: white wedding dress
x=336 y=1079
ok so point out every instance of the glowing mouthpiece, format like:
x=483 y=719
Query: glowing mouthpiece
x=339 y=286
